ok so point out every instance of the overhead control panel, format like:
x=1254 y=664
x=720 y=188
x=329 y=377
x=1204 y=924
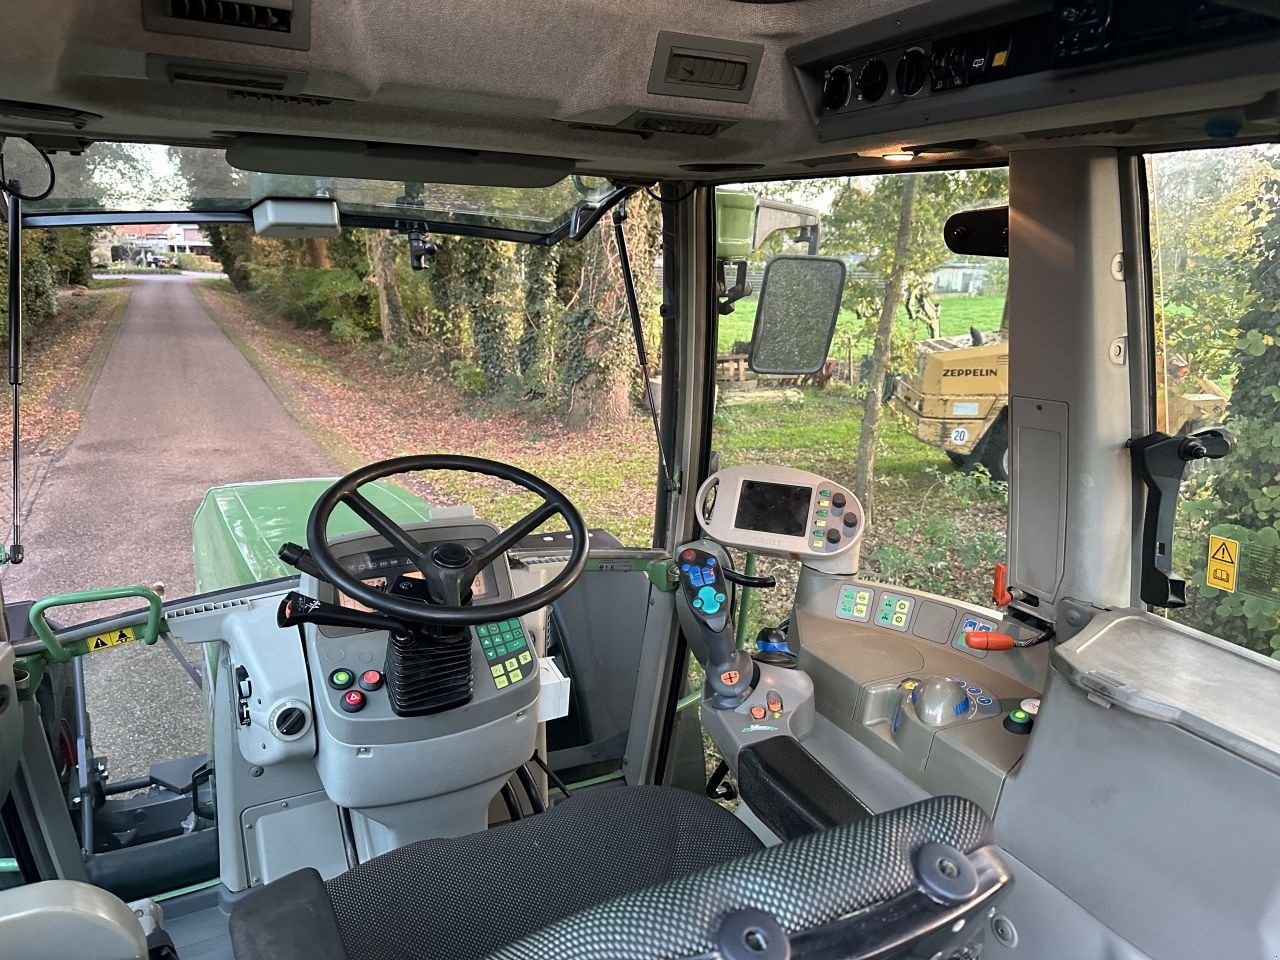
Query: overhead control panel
x=780 y=511
x=848 y=75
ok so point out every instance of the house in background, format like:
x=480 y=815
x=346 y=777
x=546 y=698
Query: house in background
x=143 y=242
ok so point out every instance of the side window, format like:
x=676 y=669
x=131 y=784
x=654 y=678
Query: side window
x=1215 y=236
x=913 y=421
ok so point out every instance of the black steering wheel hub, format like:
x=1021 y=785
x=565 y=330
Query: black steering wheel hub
x=451 y=555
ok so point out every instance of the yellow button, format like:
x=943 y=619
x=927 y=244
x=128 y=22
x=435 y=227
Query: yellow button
x=902 y=606
x=497 y=670
x=512 y=663
x=500 y=682
x=910 y=685
x=999 y=59
x=899 y=620
x=516 y=676
x=525 y=657
x=824 y=503
x=819 y=523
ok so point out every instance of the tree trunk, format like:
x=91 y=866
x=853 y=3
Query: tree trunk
x=382 y=271
x=864 y=467
x=315 y=253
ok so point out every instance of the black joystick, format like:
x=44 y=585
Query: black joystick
x=705 y=616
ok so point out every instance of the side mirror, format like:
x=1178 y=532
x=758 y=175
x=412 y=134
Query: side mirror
x=796 y=314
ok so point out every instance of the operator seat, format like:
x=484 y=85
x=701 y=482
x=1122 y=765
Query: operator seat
x=614 y=873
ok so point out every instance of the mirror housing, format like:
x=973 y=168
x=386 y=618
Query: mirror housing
x=796 y=314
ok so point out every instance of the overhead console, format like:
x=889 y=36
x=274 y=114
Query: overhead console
x=878 y=76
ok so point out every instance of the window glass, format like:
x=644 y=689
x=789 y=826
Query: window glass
x=933 y=443
x=1215 y=257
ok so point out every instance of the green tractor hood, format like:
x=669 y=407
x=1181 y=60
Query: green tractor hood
x=239 y=527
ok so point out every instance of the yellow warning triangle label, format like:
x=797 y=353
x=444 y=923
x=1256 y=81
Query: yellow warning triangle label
x=99 y=643
x=1223 y=553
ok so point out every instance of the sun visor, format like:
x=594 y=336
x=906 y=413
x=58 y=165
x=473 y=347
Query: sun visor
x=360 y=160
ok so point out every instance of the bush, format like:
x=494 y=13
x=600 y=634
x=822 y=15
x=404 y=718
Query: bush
x=191 y=261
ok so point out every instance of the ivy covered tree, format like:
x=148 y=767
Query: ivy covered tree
x=1240 y=499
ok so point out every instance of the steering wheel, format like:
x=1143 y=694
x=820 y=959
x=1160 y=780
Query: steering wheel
x=448 y=567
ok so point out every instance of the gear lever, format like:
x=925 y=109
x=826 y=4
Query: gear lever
x=705 y=616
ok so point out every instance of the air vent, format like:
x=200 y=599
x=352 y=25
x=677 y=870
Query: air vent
x=693 y=126
x=687 y=67
x=705 y=68
x=259 y=97
x=273 y=23
x=231 y=14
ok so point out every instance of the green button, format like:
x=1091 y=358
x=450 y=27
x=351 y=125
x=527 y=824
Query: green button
x=341 y=679
x=824 y=493
x=822 y=513
x=1019 y=715
x=517 y=643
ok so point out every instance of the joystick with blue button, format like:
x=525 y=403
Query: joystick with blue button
x=704 y=615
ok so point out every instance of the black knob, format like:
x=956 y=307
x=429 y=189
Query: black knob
x=913 y=71
x=833 y=535
x=873 y=81
x=291 y=721
x=836 y=89
x=838 y=500
x=850 y=519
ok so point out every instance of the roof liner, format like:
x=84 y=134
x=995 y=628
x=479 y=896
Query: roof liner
x=552 y=79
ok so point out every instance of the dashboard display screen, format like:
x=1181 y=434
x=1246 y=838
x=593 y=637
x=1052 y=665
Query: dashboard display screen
x=380 y=569
x=773 y=508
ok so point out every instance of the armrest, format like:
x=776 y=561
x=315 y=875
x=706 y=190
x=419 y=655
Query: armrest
x=791 y=792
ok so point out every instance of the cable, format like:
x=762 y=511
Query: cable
x=530 y=789
x=6 y=186
x=684 y=196
x=559 y=784
x=512 y=801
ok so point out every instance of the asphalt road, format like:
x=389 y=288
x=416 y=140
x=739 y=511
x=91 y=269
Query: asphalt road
x=177 y=410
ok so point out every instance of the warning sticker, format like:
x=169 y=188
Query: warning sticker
x=104 y=641
x=1224 y=560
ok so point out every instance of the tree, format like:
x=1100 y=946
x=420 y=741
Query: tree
x=382 y=274
x=1241 y=500
x=891 y=226
x=541 y=310
x=864 y=468
x=594 y=344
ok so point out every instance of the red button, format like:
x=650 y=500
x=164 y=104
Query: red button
x=688 y=555
x=757 y=713
x=774 y=702
x=370 y=680
x=353 y=701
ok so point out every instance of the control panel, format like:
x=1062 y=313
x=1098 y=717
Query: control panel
x=780 y=511
x=703 y=584
x=846 y=73
x=890 y=667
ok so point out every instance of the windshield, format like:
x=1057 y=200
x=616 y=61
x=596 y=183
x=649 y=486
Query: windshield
x=141 y=177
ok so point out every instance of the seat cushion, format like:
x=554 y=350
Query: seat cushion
x=465 y=897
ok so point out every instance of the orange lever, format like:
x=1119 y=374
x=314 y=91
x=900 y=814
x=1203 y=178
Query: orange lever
x=987 y=640
x=1000 y=594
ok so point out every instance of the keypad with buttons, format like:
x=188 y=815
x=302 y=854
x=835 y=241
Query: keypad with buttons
x=894 y=612
x=506 y=651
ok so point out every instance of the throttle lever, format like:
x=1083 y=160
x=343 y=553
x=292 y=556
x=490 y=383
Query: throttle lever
x=296 y=609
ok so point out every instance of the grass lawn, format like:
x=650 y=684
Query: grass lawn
x=958 y=314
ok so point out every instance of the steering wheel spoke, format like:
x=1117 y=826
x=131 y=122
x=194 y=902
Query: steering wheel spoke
x=388 y=528
x=509 y=537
